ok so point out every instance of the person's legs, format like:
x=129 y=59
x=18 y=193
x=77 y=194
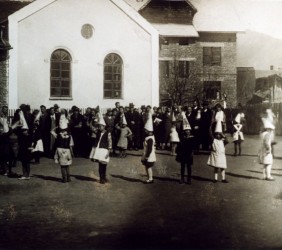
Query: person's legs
x=235 y=148
x=189 y=170
x=150 y=173
x=268 y=172
x=26 y=170
x=215 y=174
x=239 y=147
x=182 y=173
x=64 y=173
x=68 y=173
x=264 y=172
x=102 y=172
x=223 y=176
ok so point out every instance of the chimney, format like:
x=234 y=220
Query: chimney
x=271 y=67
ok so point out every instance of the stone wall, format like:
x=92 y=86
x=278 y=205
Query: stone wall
x=3 y=82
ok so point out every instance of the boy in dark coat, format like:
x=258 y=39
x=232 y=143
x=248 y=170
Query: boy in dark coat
x=185 y=151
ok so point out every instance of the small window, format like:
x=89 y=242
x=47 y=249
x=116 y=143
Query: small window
x=113 y=76
x=183 y=69
x=60 y=82
x=212 y=56
x=164 y=69
x=212 y=90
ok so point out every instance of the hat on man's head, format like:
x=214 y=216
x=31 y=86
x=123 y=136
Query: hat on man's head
x=131 y=105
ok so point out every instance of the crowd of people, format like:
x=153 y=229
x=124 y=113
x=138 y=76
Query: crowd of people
x=61 y=134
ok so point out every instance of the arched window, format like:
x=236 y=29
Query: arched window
x=113 y=76
x=60 y=74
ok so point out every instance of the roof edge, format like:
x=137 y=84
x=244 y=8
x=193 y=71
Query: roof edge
x=30 y=9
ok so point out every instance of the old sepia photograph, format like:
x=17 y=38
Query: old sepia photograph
x=140 y=124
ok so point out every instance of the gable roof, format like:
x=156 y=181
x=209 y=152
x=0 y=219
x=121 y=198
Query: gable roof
x=211 y=15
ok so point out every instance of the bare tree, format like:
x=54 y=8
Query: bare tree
x=179 y=84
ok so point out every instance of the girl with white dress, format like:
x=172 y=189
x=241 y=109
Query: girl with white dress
x=217 y=158
x=174 y=139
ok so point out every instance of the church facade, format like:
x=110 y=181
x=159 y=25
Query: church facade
x=83 y=53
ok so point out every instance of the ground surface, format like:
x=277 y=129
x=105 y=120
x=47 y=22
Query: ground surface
x=126 y=214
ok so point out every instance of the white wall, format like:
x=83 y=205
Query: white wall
x=58 y=25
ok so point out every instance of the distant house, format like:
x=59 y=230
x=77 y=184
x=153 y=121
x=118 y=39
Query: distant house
x=89 y=52
x=268 y=89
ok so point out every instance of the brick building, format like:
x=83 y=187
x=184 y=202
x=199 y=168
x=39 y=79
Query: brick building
x=197 y=48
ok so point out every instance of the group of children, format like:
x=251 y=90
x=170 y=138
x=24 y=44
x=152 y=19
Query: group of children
x=182 y=146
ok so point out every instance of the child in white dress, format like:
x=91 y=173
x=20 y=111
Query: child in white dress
x=174 y=139
x=217 y=158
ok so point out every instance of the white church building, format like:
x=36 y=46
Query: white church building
x=84 y=53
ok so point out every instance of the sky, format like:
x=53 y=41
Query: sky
x=264 y=16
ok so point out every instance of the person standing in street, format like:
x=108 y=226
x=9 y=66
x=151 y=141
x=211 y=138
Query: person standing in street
x=63 y=153
x=217 y=158
x=185 y=151
x=149 y=156
x=103 y=146
x=265 y=154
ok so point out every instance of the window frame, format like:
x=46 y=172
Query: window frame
x=212 y=56
x=213 y=92
x=60 y=65
x=113 y=69
x=183 y=69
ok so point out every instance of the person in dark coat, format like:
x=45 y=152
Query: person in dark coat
x=184 y=152
x=24 y=132
x=157 y=124
x=76 y=128
x=206 y=126
x=133 y=122
x=167 y=123
x=6 y=152
x=45 y=128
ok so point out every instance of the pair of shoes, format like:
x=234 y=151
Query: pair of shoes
x=214 y=181
x=149 y=182
x=136 y=149
x=269 y=178
x=64 y=181
x=189 y=182
x=224 y=181
x=23 y=178
x=6 y=174
x=102 y=181
x=181 y=182
x=235 y=154
x=69 y=180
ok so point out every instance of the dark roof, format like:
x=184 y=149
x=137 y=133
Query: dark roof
x=9 y=7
